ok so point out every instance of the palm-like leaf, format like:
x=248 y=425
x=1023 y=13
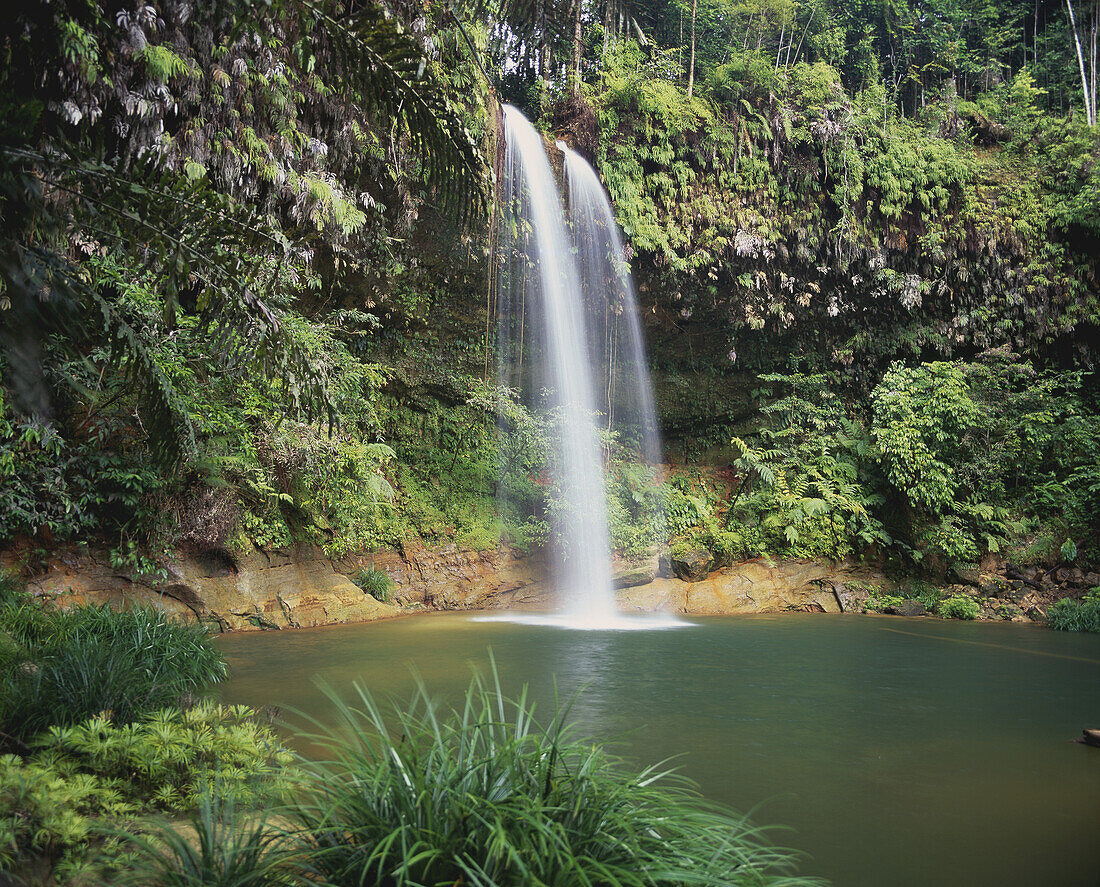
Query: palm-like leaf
x=217 y=252
x=388 y=70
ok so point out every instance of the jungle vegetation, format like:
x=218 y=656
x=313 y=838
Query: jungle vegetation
x=246 y=253
x=244 y=259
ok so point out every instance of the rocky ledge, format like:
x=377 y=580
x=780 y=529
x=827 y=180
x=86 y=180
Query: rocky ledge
x=301 y=588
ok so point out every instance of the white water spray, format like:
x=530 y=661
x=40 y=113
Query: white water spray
x=540 y=280
x=609 y=299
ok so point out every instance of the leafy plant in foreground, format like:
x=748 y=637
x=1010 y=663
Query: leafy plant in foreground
x=42 y=815
x=57 y=801
x=481 y=795
x=163 y=761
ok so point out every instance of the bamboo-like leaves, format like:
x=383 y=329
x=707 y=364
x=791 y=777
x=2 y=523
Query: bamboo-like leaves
x=481 y=795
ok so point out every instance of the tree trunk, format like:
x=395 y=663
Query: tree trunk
x=691 y=63
x=544 y=42
x=575 y=66
x=1035 y=37
x=1092 y=73
x=680 y=54
x=805 y=31
x=1090 y=104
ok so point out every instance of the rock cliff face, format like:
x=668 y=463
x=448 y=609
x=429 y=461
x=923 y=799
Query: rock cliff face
x=301 y=588
x=759 y=586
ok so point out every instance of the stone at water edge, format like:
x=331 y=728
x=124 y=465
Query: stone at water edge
x=631 y=575
x=664 y=565
x=850 y=600
x=694 y=565
x=1090 y=737
x=908 y=607
x=966 y=575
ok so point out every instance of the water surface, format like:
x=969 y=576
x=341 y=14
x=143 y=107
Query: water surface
x=903 y=752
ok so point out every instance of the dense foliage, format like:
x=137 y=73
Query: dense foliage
x=100 y=727
x=244 y=286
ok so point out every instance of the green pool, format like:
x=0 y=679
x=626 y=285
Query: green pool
x=908 y=753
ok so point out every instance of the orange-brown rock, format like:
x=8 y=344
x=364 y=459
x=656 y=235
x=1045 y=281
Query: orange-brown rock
x=301 y=588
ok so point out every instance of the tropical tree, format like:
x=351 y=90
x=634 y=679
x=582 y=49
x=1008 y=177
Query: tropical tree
x=218 y=148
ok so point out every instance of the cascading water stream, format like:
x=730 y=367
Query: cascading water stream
x=544 y=338
x=609 y=298
x=530 y=193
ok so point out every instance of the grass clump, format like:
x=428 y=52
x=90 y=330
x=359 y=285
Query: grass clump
x=958 y=607
x=1076 y=615
x=220 y=848
x=376 y=583
x=481 y=795
x=70 y=665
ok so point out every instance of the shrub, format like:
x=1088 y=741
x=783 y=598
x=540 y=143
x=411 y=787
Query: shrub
x=11 y=589
x=376 y=583
x=163 y=761
x=482 y=796
x=87 y=660
x=925 y=592
x=1075 y=615
x=56 y=803
x=878 y=601
x=39 y=812
x=958 y=607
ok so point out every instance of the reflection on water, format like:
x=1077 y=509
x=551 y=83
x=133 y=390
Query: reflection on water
x=903 y=752
x=599 y=621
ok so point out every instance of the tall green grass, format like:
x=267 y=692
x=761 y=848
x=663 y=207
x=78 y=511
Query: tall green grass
x=1075 y=615
x=217 y=848
x=74 y=664
x=480 y=795
x=376 y=583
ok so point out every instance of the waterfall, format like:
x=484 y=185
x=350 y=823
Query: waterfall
x=553 y=322
x=609 y=298
x=552 y=293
